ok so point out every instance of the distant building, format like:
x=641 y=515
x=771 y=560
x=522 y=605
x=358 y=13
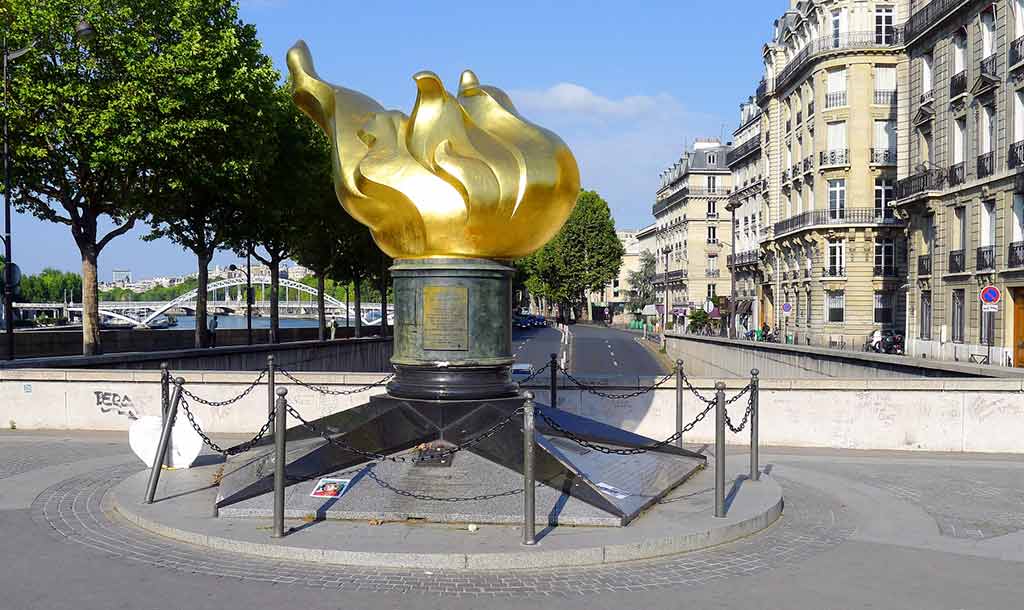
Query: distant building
x=297 y=272
x=121 y=276
x=616 y=294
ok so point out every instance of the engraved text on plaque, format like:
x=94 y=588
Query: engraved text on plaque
x=446 y=318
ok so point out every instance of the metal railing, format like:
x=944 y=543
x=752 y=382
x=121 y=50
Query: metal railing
x=886 y=271
x=833 y=271
x=742 y=150
x=839 y=216
x=835 y=99
x=986 y=258
x=808 y=163
x=956 y=261
x=988 y=66
x=785 y=175
x=924 y=265
x=886 y=97
x=810 y=109
x=927 y=16
x=957 y=174
x=927 y=96
x=928 y=180
x=789 y=126
x=883 y=156
x=986 y=164
x=831 y=43
x=1015 y=255
x=1016 y=53
x=712 y=273
x=799 y=117
x=763 y=91
x=958 y=84
x=834 y=157
x=1015 y=155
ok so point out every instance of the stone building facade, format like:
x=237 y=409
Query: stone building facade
x=616 y=294
x=693 y=230
x=961 y=188
x=746 y=205
x=833 y=255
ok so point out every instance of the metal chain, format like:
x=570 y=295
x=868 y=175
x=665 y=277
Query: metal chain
x=632 y=451
x=692 y=389
x=240 y=448
x=323 y=390
x=596 y=392
x=746 y=415
x=403 y=459
x=425 y=497
x=224 y=403
x=535 y=373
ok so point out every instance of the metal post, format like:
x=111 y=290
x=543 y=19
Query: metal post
x=679 y=402
x=346 y=306
x=280 y=430
x=732 y=277
x=165 y=389
x=8 y=262
x=529 y=503
x=554 y=380
x=719 y=449
x=755 y=405
x=664 y=317
x=165 y=438
x=248 y=295
x=270 y=384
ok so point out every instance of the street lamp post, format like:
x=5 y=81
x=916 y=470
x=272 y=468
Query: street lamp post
x=664 y=318
x=248 y=293
x=732 y=277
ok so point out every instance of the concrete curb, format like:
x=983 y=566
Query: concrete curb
x=528 y=559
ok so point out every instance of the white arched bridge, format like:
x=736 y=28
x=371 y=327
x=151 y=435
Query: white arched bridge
x=226 y=296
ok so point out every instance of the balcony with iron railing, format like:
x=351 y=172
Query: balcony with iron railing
x=924 y=265
x=886 y=97
x=833 y=43
x=929 y=15
x=763 y=91
x=1015 y=156
x=795 y=171
x=810 y=109
x=958 y=84
x=985 y=164
x=883 y=156
x=799 y=117
x=957 y=174
x=927 y=96
x=712 y=273
x=957 y=263
x=838 y=216
x=928 y=180
x=1015 y=255
x=1016 y=54
x=986 y=258
x=834 y=158
x=988 y=66
x=808 y=163
x=886 y=271
x=741 y=151
x=835 y=99
x=833 y=271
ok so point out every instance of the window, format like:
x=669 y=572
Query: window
x=712 y=235
x=836 y=258
x=809 y=308
x=988 y=33
x=712 y=207
x=713 y=264
x=835 y=306
x=712 y=292
x=927 y=150
x=836 y=135
x=838 y=26
x=798 y=196
x=959 y=140
x=1018 y=115
x=883 y=308
x=926 y=315
x=885 y=138
x=1018 y=18
x=927 y=61
x=885 y=84
x=712 y=183
x=884 y=198
x=810 y=198
x=959 y=52
x=988 y=223
x=835 y=95
x=1018 y=217
x=986 y=124
x=837 y=199
x=712 y=158
x=958 y=316
x=883 y=25
x=885 y=257
x=796 y=309
x=959 y=228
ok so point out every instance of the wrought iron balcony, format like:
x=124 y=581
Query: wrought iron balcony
x=785 y=175
x=929 y=15
x=834 y=157
x=886 y=97
x=883 y=156
x=958 y=84
x=1015 y=255
x=927 y=96
x=956 y=261
x=835 y=99
x=763 y=91
x=712 y=273
x=985 y=164
x=834 y=42
x=957 y=174
x=799 y=117
x=842 y=216
x=810 y=109
x=742 y=151
x=795 y=171
x=928 y=180
x=924 y=265
x=1015 y=157
x=712 y=215
x=1016 y=54
x=833 y=271
x=808 y=163
x=988 y=66
x=886 y=271
x=986 y=258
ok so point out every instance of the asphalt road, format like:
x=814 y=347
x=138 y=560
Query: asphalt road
x=535 y=345
x=598 y=350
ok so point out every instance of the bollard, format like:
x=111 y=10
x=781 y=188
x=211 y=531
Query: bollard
x=529 y=501
x=679 y=402
x=270 y=384
x=165 y=438
x=165 y=389
x=554 y=380
x=280 y=430
x=719 y=449
x=755 y=404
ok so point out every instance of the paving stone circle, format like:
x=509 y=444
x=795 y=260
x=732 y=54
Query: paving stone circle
x=74 y=511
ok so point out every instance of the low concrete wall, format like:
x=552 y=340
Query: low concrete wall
x=717 y=357
x=356 y=355
x=44 y=343
x=983 y=415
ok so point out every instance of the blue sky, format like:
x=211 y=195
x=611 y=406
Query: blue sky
x=624 y=84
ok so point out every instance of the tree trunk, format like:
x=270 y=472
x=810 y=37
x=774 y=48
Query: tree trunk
x=202 y=281
x=275 y=284
x=321 y=313
x=91 y=343
x=359 y=308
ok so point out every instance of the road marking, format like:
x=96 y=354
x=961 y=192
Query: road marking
x=613 y=353
x=615 y=362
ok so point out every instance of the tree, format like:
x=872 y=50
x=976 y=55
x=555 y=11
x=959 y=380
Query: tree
x=51 y=286
x=209 y=137
x=584 y=256
x=641 y=283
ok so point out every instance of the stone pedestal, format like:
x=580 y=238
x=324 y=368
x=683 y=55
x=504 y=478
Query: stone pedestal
x=453 y=329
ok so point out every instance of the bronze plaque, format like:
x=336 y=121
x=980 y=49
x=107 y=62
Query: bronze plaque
x=446 y=318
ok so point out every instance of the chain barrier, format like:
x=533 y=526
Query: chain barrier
x=373 y=455
x=230 y=401
x=426 y=497
x=597 y=392
x=240 y=448
x=632 y=451
x=746 y=414
x=325 y=391
x=535 y=374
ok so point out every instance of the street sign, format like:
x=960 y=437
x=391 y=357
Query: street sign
x=990 y=295
x=787 y=308
x=989 y=307
x=709 y=306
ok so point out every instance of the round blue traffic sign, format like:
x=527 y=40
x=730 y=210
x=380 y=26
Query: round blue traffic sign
x=990 y=294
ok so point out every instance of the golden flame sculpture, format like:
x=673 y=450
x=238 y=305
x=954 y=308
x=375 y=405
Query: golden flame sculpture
x=460 y=177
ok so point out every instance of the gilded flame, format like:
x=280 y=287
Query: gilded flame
x=463 y=177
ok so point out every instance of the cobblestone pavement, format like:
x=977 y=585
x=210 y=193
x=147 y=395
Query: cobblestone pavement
x=30 y=453
x=965 y=502
x=73 y=511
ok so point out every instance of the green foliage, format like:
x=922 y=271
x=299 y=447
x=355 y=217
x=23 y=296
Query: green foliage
x=641 y=283
x=584 y=256
x=50 y=286
x=699 y=320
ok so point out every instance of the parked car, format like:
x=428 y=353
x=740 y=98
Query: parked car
x=521 y=370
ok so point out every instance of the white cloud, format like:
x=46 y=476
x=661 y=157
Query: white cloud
x=571 y=98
